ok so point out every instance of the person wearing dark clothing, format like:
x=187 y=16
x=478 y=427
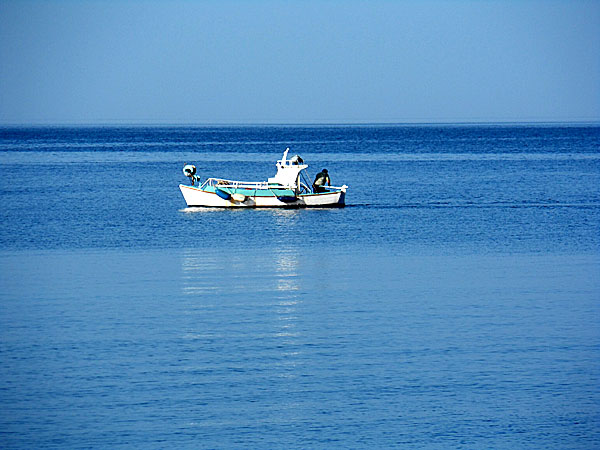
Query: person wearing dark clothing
x=320 y=180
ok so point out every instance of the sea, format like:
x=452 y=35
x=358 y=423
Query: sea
x=453 y=303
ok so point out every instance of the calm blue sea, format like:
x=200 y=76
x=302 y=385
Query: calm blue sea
x=454 y=303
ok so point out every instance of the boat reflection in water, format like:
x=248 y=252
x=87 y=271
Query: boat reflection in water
x=243 y=309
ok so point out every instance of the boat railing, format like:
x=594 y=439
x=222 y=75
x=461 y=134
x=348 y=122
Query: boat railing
x=254 y=185
x=232 y=184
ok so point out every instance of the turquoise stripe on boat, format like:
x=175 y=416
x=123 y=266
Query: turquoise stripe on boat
x=273 y=192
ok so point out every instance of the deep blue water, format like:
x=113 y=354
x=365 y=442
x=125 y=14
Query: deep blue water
x=454 y=303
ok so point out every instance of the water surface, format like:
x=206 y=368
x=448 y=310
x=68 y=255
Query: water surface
x=452 y=304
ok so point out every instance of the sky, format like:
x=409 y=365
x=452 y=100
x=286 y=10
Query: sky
x=276 y=61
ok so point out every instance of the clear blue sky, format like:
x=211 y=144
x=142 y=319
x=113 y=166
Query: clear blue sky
x=303 y=61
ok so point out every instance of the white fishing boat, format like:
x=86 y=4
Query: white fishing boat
x=289 y=188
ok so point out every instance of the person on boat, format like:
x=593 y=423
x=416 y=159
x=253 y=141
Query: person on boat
x=320 y=180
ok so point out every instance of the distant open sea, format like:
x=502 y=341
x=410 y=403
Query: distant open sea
x=454 y=303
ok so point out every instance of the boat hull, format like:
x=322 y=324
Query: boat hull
x=195 y=196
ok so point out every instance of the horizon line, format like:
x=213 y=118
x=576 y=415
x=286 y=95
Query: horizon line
x=292 y=124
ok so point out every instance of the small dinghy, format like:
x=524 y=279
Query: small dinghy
x=289 y=188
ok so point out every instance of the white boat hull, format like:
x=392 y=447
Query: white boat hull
x=195 y=196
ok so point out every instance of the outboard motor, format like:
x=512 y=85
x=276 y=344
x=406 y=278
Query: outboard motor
x=190 y=172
